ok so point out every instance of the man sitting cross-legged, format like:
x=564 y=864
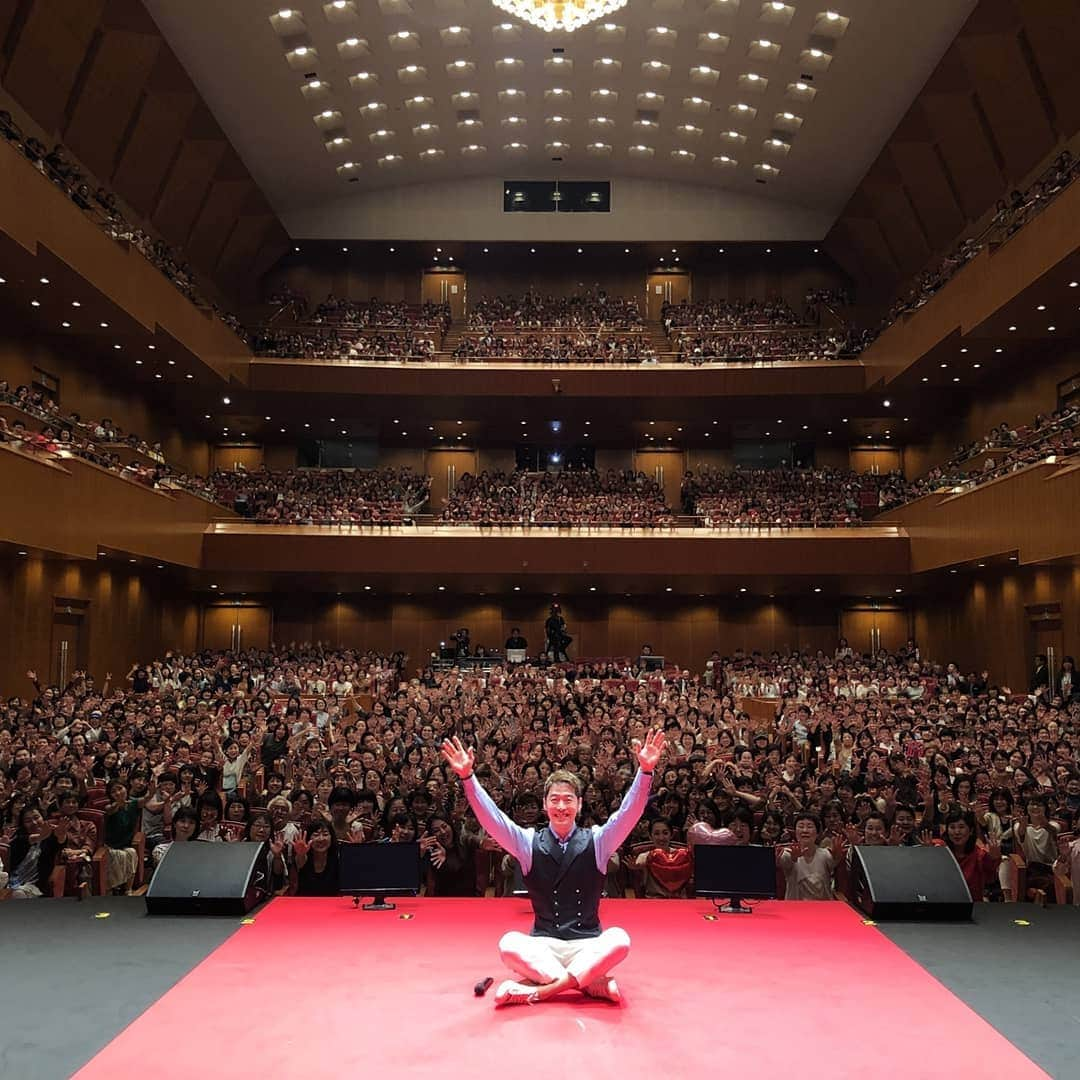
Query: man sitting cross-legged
x=563 y=868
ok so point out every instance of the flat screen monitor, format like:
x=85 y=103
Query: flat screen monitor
x=379 y=870
x=733 y=871
x=651 y=663
x=515 y=656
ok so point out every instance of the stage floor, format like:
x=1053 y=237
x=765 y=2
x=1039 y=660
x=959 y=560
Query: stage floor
x=316 y=988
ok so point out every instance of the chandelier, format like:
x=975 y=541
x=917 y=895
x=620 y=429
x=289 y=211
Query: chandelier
x=566 y=15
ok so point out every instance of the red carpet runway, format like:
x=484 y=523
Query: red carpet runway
x=314 y=988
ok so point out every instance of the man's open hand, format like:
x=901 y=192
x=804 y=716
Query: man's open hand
x=649 y=754
x=457 y=757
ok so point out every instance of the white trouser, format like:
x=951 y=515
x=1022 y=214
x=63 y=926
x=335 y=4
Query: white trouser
x=542 y=960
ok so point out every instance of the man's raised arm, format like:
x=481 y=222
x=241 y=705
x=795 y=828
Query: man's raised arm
x=510 y=836
x=621 y=824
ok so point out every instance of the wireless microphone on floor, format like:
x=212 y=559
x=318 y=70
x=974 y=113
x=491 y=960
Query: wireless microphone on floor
x=481 y=988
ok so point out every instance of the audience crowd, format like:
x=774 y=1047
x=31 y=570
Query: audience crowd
x=307 y=747
x=570 y=497
x=535 y=312
x=697 y=347
x=383 y=314
x=56 y=436
x=580 y=346
x=1012 y=214
x=786 y=497
x=728 y=315
x=103 y=208
x=339 y=343
x=322 y=496
x=1003 y=450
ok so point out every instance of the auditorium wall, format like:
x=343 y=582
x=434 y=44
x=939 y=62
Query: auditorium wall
x=320 y=271
x=94 y=395
x=119 y=616
x=684 y=631
x=1028 y=386
x=999 y=619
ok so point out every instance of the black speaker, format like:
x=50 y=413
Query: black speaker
x=909 y=883
x=209 y=879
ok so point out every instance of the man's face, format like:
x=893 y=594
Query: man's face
x=562 y=806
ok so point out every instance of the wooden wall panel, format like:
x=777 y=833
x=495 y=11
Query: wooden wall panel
x=682 y=631
x=131 y=615
x=1052 y=32
x=91 y=394
x=963 y=144
x=151 y=147
x=109 y=95
x=186 y=187
x=216 y=220
x=928 y=186
x=1009 y=99
x=55 y=39
x=899 y=224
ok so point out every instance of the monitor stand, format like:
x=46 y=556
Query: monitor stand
x=734 y=906
x=378 y=904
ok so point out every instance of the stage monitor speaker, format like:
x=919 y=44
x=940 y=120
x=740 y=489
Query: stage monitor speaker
x=909 y=883
x=209 y=879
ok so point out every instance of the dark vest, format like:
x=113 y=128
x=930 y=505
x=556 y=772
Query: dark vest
x=565 y=888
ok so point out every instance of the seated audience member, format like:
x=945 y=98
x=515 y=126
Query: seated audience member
x=666 y=870
x=122 y=817
x=808 y=868
x=185 y=825
x=1036 y=837
x=978 y=863
x=34 y=851
x=315 y=861
x=260 y=830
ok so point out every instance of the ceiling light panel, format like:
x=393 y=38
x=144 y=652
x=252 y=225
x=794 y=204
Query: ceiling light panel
x=363 y=80
x=426 y=130
x=604 y=95
x=655 y=69
x=774 y=13
x=351 y=48
x=661 y=36
x=512 y=95
x=814 y=60
x=340 y=12
x=696 y=104
x=800 y=91
x=288 y=22
x=752 y=82
x=302 y=57
x=558 y=65
x=432 y=153
x=419 y=103
x=558 y=95
x=315 y=91
x=465 y=99
x=412 y=73
x=650 y=99
x=763 y=49
x=609 y=33
x=509 y=65
x=830 y=24
x=704 y=74
x=328 y=119
x=461 y=68
x=506 y=32
x=455 y=35
x=404 y=41
x=712 y=41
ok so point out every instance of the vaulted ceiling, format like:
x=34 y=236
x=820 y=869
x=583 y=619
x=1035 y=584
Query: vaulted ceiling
x=789 y=101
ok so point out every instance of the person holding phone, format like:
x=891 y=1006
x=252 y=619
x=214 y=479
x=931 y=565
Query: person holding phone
x=564 y=869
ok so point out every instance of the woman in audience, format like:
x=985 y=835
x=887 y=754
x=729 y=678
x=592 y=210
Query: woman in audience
x=34 y=851
x=260 y=830
x=315 y=866
x=122 y=816
x=978 y=864
x=185 y=824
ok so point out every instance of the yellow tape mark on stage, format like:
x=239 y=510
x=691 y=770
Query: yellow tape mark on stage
x=102 y=915
x=1021 y=922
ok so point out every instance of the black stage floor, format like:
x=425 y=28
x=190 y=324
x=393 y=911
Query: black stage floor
x=73 y=981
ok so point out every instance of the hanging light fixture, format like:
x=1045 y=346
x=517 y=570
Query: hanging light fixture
x=567 y=15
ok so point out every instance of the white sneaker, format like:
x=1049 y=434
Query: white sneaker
x=514 y=993
x=606 y=989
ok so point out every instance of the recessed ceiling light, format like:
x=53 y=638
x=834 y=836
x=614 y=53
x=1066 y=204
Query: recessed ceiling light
x=65 y=325
x=226 y=401
x=35 y=303
x=1041 y=307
